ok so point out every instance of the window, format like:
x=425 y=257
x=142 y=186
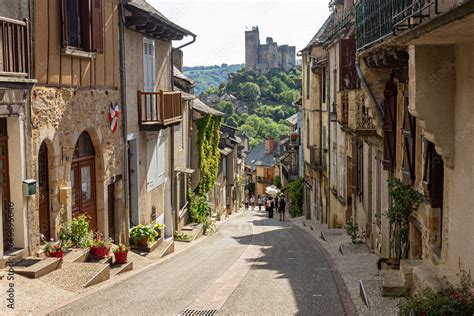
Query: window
x=341 y=175
x=378 y=189
x=180 y=136
x=82 y=25
x=149 y=64
x=308 y=79
x=323 y=88
x=390 y=127
x=155 y=160
x=409 y=143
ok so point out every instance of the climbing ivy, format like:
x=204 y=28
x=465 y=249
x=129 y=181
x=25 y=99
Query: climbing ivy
x=208 y=150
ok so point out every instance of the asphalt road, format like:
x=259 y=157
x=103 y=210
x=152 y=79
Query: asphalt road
x=266 y=267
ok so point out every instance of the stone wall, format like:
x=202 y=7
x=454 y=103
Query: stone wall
x=58 y=117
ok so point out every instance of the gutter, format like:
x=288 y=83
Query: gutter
x=123 y=100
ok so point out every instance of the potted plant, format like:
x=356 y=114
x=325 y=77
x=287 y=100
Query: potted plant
x=142 y=234
x=159 y=228
x=120 y=253
x=100 y=246
x=55 y=249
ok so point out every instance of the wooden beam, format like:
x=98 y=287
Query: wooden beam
x=149 y=27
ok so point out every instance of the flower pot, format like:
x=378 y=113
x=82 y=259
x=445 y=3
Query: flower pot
x=56 y=254
x=100 y=253
x=143 y=242
x=121 y=257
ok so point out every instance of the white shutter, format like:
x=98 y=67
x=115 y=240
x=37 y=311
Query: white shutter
x=149 y=64
x=152 y=172
x=180 y=136
x=161 y=158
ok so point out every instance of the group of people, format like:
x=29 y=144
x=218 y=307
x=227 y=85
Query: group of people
x=269 y=203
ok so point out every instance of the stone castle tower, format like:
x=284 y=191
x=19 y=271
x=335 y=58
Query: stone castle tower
x=262 y=58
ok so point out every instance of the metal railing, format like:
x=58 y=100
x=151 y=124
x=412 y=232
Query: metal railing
x=15 y=48
x=377 y=19
x=159 y=107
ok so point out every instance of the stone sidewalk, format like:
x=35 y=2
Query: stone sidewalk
x=35 y=295
x=357 y=264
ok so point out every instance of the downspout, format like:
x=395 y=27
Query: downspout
x=174 y=203
x=328 y=100
x=363 y=80
x=320 y=144
x=123 y=99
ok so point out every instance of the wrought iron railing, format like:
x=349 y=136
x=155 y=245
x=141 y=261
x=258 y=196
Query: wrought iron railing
x=365 y=122
x=347 y=20
x=377 y=19
x=15 y=48
x=344 y=108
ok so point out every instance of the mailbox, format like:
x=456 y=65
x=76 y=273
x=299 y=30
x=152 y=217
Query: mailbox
x=29 y=187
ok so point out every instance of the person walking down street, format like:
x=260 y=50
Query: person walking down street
x=282 y=208
x=252 y=202
x=246 y=203
x=271 y=207
x=260 y=203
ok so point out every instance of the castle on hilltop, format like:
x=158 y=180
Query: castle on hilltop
x=264 y=57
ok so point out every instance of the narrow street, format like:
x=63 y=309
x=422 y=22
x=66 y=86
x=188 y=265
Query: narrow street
x=252 y=266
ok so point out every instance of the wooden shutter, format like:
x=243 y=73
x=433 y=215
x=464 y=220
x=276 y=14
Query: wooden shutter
x=85 y=17
x=389 y=127
x=409 y=143
x=355 y=165
x=97 y=26
x=348 y=79
x=64 y=24
x=152 y=172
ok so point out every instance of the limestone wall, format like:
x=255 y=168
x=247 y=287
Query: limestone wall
x=58 y=117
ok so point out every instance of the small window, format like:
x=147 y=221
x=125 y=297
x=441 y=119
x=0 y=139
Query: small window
x=180 y=136
x=82 y=25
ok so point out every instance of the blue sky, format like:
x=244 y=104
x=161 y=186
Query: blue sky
x=220 y=25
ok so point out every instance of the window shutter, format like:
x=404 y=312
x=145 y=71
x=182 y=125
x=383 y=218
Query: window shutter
x=436 y=179
x=161 y=157
x=151 y=144
x=389 y=127
x=409 y=143
x=97 y=26
x=86 y=29
x=348 y=79
x=355 y=165
x=180 y=136
x=149 y=64
x=64 y=26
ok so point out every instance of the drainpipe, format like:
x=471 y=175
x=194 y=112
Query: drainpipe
x=320 y=144
x=363 y=80
x=328 y=100
x=171 y=149
x=123 y=99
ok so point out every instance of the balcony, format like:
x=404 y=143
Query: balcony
x=265 y=180
x=158 y=110
x=15 y=54
x=377 y=19
x=343 y=107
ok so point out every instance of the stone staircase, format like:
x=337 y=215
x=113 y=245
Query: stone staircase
x=194 y=231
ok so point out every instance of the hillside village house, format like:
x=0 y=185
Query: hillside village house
x=399 y=109
x=73 y=148
x=158 y=118
x=15 y=167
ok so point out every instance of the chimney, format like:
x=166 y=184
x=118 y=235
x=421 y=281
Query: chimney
x=269 y=145
x=178 y=59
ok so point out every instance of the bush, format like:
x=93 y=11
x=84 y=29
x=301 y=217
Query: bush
x=295 y=194
x=352 y=229
x=447 y=301
x=75 y=232
x=141 y=232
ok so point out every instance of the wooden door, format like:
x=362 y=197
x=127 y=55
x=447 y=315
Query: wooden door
x=4 y=179
x=83 y=180
x=43 y=189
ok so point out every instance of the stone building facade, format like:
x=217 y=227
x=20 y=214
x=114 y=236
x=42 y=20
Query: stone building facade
x=263 y=57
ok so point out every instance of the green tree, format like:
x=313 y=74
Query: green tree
x=250 y=91
x=227 y=107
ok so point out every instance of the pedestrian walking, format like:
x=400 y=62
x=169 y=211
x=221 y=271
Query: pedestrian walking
x=252 y=202
x=282 y=208
x=271 y=207
x=260 y=203
x=246 y=203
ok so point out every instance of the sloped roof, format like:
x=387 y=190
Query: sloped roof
x=323 y=33
x=200 y=106
x=180 y=75
x=293 y=120
x=259 y=157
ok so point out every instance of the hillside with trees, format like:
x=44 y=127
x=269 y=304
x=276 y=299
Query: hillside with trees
x=210 y=76
x=263 y=101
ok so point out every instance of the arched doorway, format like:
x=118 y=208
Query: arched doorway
x=83 y=180
x=43 y=188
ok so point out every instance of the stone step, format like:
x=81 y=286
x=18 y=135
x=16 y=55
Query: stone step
x=74 y=276
x=107 y=260
x=392 y=283
x=76 y=255
x=197 y=232
x=118 y=268
x=166 y=248
x=190 y=227
x=150 y=247
x=11 y=256
x=39 y=269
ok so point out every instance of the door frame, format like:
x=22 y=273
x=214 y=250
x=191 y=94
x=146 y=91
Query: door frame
x=47 y=188
x=134 y=178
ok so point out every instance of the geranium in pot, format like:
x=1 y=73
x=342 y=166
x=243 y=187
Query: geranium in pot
x=142 y=234
x=55 y=249
x=120 y=253
x=99 y=245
